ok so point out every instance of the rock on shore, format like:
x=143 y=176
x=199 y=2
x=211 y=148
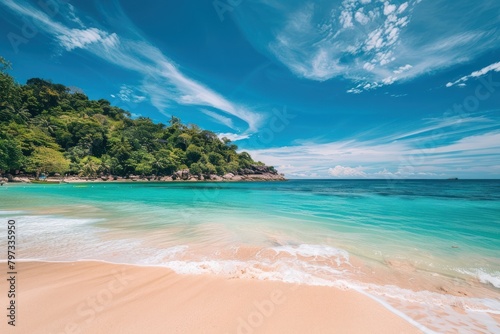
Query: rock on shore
x=253 y=173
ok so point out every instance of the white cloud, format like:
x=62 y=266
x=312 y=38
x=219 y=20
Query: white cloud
x=485 y=70
x=354 y=91
x=72 y=16
x=375 y=41
x=435 y=149
x=402 y=7
x=388 y=8
x=315 y=54
x=368 y=66
x=402 y=69
x=361 y=17
x=163 y=82
x=233 y=136
x=341 y=171
x=129 y=95
x=346 y=19
x=219 y=118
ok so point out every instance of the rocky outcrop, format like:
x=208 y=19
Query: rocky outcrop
x=214 y=177
x=20 y=179
x=252 y=173
x=228 y=176
x=181 y=175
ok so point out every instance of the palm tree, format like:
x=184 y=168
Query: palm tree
x=90 y=168
x=23 y=115
x=158 y=165
x=8 y=112
x=105 y=164
x=45 y=124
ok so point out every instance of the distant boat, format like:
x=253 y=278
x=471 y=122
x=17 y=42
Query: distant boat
x=453 y=178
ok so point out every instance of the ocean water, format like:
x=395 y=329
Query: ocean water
x=428 y=250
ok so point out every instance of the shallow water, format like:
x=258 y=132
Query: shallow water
x=428 y=249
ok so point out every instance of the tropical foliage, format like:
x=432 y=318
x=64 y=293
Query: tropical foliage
x=49 y=128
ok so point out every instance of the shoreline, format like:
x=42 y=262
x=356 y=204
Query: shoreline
x=139 y=181
x=132 y=179
x=101 y=297
x=254 y=173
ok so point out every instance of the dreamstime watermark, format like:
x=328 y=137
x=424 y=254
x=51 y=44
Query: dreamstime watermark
x=458 y=112
x=28 y=29
x=88 y=310
x=222 y=7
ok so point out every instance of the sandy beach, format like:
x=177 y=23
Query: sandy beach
x=97 y=297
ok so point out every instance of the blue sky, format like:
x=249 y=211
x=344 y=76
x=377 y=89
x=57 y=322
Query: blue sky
x=319 y=89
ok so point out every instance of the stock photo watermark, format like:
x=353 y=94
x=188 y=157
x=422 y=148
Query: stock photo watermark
x=261 y=310
x=28 y=30
x=11 y=272
x=276 y=123
x=222 y=7
x=87 y=311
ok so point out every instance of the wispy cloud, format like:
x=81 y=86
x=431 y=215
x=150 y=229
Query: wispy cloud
x=233 y=136
x=81 y=38
x=476 y=74
x=162 y=82
x=346 y=172
x=379 y=43
x=127 y=94
x=452 y=147
x=219 y=118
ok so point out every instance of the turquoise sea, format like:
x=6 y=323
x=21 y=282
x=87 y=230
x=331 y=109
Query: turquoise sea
x=428 y=250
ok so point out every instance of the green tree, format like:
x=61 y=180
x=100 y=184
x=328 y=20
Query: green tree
x=47 y=160
x=165 y=162
x=11 y=156
x=90 y=166
x=245 y=160
x=9 y=113
x=196 y=168
x=145 y=166
x=9 y=90
x=193 y=153
x=215 y=158
x=106 y=164
x=40 y=119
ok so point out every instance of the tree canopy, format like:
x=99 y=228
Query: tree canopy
x=50 y=128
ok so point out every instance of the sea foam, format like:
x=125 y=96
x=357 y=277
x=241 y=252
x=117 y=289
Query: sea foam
x=316 y=251
x=59 y=238
x=483 y=276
